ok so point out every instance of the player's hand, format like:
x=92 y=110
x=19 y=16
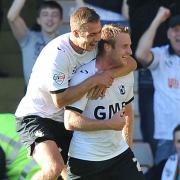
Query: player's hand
x=118 y=120
x=103 y=79
x=97 y=92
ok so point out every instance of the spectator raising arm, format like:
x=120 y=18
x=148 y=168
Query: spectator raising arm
x=18 y=25
x=143 y=52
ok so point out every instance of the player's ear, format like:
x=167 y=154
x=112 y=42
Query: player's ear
x=76 y=33
x=107 y=47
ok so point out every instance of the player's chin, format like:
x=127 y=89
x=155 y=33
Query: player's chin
x=90 y=48
x=124 y=60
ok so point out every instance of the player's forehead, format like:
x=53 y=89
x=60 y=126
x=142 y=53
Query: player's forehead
x=92 y=27
x=123 y=38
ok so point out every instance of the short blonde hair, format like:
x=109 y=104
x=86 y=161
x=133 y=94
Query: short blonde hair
x=108 y=35
x=110 y=31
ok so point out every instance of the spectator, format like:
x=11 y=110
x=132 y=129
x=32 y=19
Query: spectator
x=141 y=14
x=104 y=153
x=110 y=11
x=172 y=166
x=40 y=112
x=168 y=169
x=15 y=164
x=163 y=63
x=50 y=15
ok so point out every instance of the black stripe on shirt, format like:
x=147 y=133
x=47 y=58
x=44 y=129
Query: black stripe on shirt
x=130 y=100
x=58 y=91
x=74 y=109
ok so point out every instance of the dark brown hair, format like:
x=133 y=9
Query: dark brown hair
x=82 y=16
x=52 y=5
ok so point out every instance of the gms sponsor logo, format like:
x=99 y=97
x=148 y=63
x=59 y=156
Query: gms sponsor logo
x=59 y=78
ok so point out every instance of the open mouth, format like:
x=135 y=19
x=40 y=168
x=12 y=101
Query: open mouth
x=124 y=57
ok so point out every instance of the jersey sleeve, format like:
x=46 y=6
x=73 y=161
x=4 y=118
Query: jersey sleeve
x=25 y=40
x=130 y=96
x=156 y=58
x=59 y=73
x=130 y=85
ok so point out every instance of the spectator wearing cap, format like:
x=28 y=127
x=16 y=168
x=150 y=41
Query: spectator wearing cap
x=164 y=64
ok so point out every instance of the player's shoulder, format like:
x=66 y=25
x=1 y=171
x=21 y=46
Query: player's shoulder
x=128 y=79
x=60 y=40
x=87 y=68
x=130 y=76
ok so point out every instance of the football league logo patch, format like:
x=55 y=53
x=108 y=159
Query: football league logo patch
x=59 y=78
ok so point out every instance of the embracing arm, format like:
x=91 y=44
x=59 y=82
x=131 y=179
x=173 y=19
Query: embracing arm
x=17 y=24
x=74 y=93
x=75 y=121
x=129 y=66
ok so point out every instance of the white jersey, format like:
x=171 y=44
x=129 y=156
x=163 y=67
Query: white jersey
x=165 y=70
x=104 y=144
x=51 y=74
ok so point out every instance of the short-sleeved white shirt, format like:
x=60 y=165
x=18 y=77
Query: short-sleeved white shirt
x=52 y=71
x=104 y=144
x=165 y=70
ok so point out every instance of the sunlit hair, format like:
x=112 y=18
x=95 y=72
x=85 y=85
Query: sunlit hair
x=177 y=128
x=82 y=16
x=108 y=35
x=51 y=4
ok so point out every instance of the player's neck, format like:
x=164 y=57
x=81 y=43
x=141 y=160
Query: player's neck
x=104 y=63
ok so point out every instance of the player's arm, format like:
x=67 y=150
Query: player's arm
x=17 y=24
x=74 y=120
x=128 y=128
x=74 y=93
x=129 y=66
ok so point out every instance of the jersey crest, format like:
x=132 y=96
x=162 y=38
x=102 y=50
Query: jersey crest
x=122 y=89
